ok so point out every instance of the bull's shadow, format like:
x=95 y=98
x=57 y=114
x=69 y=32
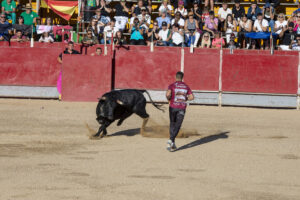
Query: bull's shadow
x=129 y=132
x=210 y=138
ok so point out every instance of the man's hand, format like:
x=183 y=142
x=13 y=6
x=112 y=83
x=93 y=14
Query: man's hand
x=169 y=95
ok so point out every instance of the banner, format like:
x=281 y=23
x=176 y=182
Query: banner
x=65 y=9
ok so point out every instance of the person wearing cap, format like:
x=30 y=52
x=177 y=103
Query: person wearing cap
x=164 y=35
x=211 y=23
x=9 y=8
x=178 y=20
x=287 y=36
x=253 y=11
x=238 y=11
x=269 y=13
x=181 y=9
x=144 y=18
x=165 y=7
x=29 y=16
x=163 y=18
x=295 y=46
x=121 y=10
x=222 y=14
x=280 y=23
x=191 y=30
x=5 y=28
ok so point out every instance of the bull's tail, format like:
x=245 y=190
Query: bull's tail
x=156 y=105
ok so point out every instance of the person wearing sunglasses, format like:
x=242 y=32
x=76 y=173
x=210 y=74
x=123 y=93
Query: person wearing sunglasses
x=9 y=8
x=287 y=36
x=296 y=44
x=206 y=41
x=152 y=34
x=178 y=20
x=191 y=30
x=5 y=28
x=280 y=23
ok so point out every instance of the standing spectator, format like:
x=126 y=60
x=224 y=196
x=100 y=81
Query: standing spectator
x=164 y=35
x=280 y=24
x=197 y=14
x=230 y=27
x=211 y=23
x=191 y=29
x=89 y=39
x=268 y=13
x=46 y=38
x=177 y=36
x=165 y=7
x=26 y=29
x=295 y=46
x=89 y=9
x=261 y=25
x=136 y=33
x=287 y=36
x=137 y=10
x=105 y=8
x=253 y=11
x=163 y=18
x=178 y=20
x=93 y=26
x=238 y=11
x=245 y=27
x=206 y=41
x=211 y=4
x=19 y=37
x=121 y=17
x=9 y=8
x=29 y=16
x=144 y=18
x=181 y=9
x=110 y=31
x=119 y=39
x=5 y=28
x=222 y=14
x=218 y=41
x=152 y=34
x=69 y=50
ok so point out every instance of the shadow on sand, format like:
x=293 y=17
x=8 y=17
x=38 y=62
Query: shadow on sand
x=129 y=132
x=210 y=138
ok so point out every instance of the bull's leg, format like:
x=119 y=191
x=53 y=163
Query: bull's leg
x=101 y=128
x=145 y=117
x=124 y=116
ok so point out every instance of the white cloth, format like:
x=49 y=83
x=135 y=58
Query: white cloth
x=109 y=31
x=163 y=34
x=296 y=47
x=177 y=38
x=121 y=22
x=223 y=13
x=147 y=18
x=46 y=39
x=264 y=23
x=162 y=8
x=285 y=47
x=43 y=28
x=182 y=11
x=180 y=22
x=280 y=24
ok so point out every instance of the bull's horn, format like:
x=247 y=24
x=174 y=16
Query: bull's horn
x=119 y=102
x=103 y=98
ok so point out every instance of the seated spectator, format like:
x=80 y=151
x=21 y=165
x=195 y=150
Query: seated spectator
x=163 y=18
x=211 y=23
x=120 y=39
x=261 y=25
x=280 y=23
x=206 y=2
x=137 y=10
x=296 y=45
x=192 y=30
x=238 y=11
x=222 y=14
x=20 y=26
x=93 y=26
x=274 y=2
x=253 y=11
x=181 y=9
x=177 y=36
x=269 y=13
x=232 y=44
x=197 y=14
x=218 y=41
x=46 y=38
x=148 y=5
x=178 y=20
x=101 y=20
x=29 y=16
x=89 y=9
x=110 y=31
x=98 y=52
x=46 y=27
x=5 y=28
x=230 y=27
x=9 y=8
x=136 y=33
x=152 y=34
x=145 y=19
x=165 y=7
x=286 y=36
x=164 y=35
x=206 y=41
x=205 y=14
x=121 y=9
x=245 y=27
x=297 y=10
x=297 y=24
x=89 y=39
x=19 y=37
x=105 y=8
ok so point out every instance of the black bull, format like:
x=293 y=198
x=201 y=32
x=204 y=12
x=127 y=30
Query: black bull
x=119 y=105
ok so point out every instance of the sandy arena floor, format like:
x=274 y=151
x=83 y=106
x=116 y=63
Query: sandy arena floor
x=240 y=154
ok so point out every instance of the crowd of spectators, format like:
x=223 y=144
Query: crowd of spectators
x=179 y=23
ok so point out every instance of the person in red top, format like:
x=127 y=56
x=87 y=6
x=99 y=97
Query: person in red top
x=177 y=94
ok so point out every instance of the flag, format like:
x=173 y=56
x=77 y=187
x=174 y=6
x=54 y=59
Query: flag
x=65 y=9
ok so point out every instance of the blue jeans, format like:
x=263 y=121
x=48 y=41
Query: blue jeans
x=108 y=41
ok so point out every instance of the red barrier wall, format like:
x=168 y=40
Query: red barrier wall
x=85 y=78
x=260 y=73
x=201 y=69
x=146 y=70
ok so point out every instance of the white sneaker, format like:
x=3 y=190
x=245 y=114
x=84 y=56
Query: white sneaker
x=171 y=146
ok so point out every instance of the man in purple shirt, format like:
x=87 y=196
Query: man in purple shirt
x=177 y=94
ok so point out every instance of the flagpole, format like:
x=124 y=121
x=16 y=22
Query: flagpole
x=78 y=21
x=37 y=6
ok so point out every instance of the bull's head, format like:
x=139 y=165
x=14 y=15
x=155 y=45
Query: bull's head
x=105 y=108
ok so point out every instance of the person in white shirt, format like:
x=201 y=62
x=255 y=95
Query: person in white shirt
x=177 y=36
x=261 y=25
x=110 y=31
x=222 y=14
x=144 y=19
x=181 y=9
x=295 y=46
x=280 y=23
x=46 y=38
x=178 y=20
x=164 y=35
x=165 y=7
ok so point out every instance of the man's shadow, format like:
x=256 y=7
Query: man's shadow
x=210 y=138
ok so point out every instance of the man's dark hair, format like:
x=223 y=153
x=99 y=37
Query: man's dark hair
x=113 y=20
x=259 y=14
x=179 y=75
x=211 y=13
x=70 y=42
x=99 y=48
